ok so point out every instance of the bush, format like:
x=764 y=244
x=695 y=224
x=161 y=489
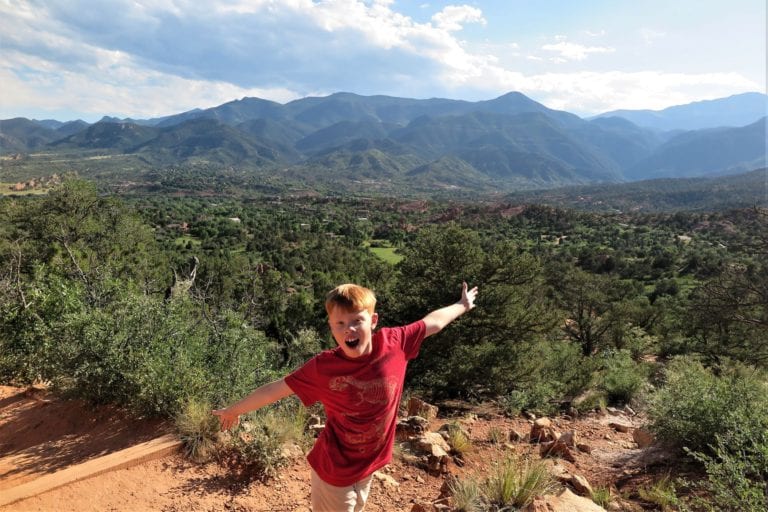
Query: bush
x=695 y=405
x=737 y=472
x=622 y=377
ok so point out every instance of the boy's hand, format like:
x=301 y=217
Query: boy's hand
x=227 y=419
x=468 y=296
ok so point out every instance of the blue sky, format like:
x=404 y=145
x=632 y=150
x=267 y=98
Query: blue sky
x=69 y=59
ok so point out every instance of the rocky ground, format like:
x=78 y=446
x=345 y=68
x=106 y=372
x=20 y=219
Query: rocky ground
x=39 y=435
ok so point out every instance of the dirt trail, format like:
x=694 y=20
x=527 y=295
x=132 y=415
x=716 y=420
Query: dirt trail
x=39 y=435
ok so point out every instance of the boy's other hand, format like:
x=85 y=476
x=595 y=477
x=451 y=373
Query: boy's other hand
x=227 y=419
x=468 y=296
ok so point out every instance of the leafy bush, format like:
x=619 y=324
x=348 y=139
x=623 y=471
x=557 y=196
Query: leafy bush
x=737 y=472
x=695 y=404
x=257 y=450
x=622 y=377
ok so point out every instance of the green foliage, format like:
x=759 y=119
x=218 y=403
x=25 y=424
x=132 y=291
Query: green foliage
x=467 y=495
x=515 y=482
x=602 y=496
x=622 y=377
x=697 y=404
x=458 y=440
x=661 y=493
x=258 y=452
x=737 y=471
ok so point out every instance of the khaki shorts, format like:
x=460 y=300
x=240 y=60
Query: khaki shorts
x=329 y=498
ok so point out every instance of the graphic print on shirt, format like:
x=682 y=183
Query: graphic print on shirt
x=375 y=392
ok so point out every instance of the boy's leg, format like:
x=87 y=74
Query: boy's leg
x=329 y=498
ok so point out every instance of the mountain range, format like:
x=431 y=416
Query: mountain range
x=504 y=144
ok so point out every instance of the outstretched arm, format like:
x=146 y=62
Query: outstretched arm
x=439 y=318
x=264 y=395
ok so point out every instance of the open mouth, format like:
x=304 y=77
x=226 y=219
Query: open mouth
x=352 y=343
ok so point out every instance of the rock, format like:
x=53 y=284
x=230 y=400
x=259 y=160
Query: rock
x=427 y=442
x=581 y=486
x=515 y=436
x=568 y=439
x=642 y=437
x=556 y=449
x=291 y=451
x=386 y=480
x=418 y=407
x=410 y=427
x=585 y=448
x=566 y=501
x=542 y=431
x=620 y=427
x=445 y=428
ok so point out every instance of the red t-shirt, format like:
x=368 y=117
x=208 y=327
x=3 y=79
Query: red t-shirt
x=361 y=397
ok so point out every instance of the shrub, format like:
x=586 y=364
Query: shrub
x=257 y=451
x=623 y=377
x=198 y=430
x=737 y=472
x=695 y=405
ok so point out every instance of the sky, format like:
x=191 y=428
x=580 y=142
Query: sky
x=83 y=59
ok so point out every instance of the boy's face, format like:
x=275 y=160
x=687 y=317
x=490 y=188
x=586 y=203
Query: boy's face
x=353 y=330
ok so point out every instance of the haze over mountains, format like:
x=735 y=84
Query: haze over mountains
x=508 y=143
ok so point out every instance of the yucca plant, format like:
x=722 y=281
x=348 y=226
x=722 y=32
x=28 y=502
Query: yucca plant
x=198 y=429
x=602 y=496
x=458 y=440
x=516 y=481
x=495 y=435
x=467 y=495
x=661 y=493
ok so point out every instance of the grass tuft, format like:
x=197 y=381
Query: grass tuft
x=198 y=430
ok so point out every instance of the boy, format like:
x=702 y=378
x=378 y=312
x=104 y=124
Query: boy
x=359 y=383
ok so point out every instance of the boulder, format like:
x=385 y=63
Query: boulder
x=542 y=431
x=566 y=501
x=431 y=443
x=642 y=437
x=410 y=427
x=620 y=427
x=581 y=486
x=418 y=407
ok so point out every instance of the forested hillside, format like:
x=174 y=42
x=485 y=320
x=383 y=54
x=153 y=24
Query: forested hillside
x=155 y=301
x=395 y=145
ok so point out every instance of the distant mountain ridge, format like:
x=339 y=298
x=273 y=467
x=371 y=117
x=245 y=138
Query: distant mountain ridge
x=508 y=143
x=736 y=110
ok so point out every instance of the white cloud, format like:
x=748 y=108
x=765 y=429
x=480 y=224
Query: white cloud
x=453 y=17
x=145 y=58
x=573 y=51
x=595 y=92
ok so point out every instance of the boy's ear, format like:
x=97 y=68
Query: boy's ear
x=374 y=320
